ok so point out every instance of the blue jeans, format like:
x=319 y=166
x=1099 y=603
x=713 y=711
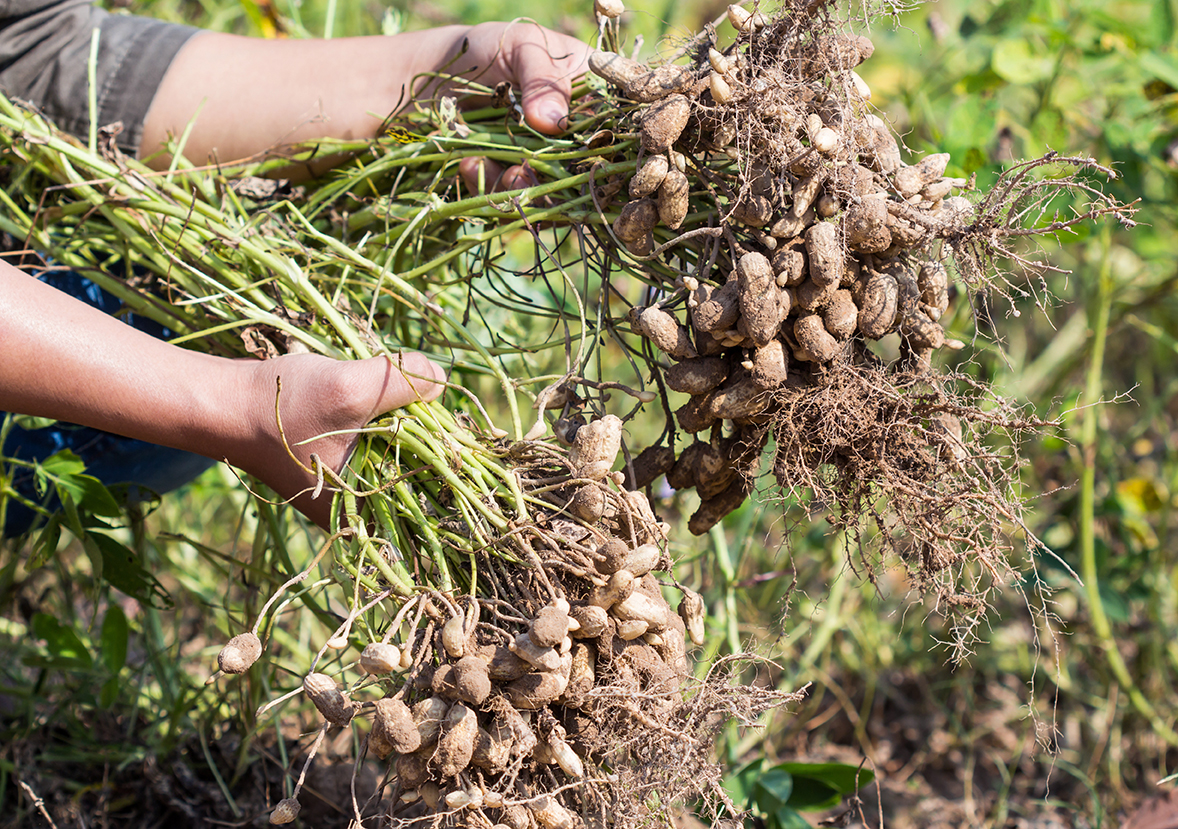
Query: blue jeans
x=148 y=469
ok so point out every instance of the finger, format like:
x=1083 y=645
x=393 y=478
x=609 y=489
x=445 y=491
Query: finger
x=480 y=174
x=545 y=64
x=405 y=378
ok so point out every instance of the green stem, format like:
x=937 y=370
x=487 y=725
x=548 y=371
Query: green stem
x=1099 y=316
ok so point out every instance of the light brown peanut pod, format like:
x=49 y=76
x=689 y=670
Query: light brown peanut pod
x=878 y=300
x=592 y=619
x=588 y=503
x=323 y=691
x=380 y=658
x=883 y=153
x=824 y=253
x=456 y=744
x=616 y=69
x=697 y=376
x=550 y=814
x=535 y=690
x=840 y=315
x=595 y=447
x=549 y=626
x=811 y=296
x=662 y=329
x=285 y=811
x=741 y=399
x=637 y=220
x=472 y=681
x=759 y=305
x=581 y=675
x=692 y=610
x=720 y=311
x=649 y=176
x=663 y=81
x=753 y=210
x=239 y=653
x=789 y=266
x=393 y=724
x=673 y=200
x=933 y=280
x=428 y=714
x=921 y=332
x=815 y=343
x=663 y=122
x=865 y=225
x=770 y=365
x=911 y=180
x=502 y=664
x=540 y=658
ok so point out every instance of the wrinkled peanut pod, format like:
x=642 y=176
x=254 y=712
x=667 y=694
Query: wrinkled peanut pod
x=649 y=176
x=666 y=333
x=456 y=744
x=878 y=301
x=285 y=811
x=933 y=281
x=760 y=309
x=840 y=315
x=648 y=465
x=771 y=365
x=327 y=698
x=239 y=653
x=673 y=198
x=636 y=220
x=719 y=311
x=596 y=447
x=697 y=376
x=380 y=658
x=815 y=343
x=866 y=226
x=691 y=610
x=824 y=253
x=911 y=180
x=394 y=724
x=663 y=122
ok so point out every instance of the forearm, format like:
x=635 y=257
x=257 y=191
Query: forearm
x=245 y=96
x=64 y=359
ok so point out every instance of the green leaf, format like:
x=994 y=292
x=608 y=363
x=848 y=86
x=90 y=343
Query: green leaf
x=63 y=645
x=109 y=693
x=773 y=790
x=114 y=639
x=1015 y=61
x=1161 y=66
x=63 y=464
x=740 y=784
x=122 y=570
x=46 y=544
x=840 y=777
x=788 y=818
x=813 y=794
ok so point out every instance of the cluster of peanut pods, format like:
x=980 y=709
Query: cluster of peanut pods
x=829 y=238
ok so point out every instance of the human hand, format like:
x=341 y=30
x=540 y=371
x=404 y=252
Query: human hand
x=543 y=64
x=321 y=396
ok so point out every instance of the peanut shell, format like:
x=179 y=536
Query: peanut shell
x=663 y=122
x=649 y=176
x=673 y=198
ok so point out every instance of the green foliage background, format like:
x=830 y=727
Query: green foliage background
x=1075 y=714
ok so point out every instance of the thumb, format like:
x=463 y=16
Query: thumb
x=545 y=68
x=403 y=378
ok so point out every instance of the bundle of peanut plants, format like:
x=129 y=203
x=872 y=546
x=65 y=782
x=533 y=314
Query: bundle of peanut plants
x=739 y=224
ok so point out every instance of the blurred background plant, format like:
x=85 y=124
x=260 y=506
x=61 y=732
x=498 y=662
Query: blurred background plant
x=111 y=627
